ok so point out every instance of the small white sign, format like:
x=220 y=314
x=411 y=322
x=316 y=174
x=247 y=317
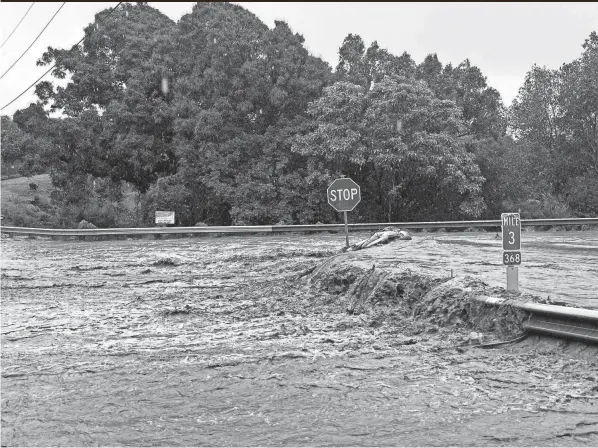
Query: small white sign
x=164 y=217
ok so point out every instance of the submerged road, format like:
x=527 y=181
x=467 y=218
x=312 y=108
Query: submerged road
x=214 y=341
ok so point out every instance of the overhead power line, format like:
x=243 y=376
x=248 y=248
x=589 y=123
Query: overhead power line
x=54 y=65
x=35 y=40
x=11 y=33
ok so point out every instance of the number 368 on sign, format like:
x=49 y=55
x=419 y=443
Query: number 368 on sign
x=511 y=258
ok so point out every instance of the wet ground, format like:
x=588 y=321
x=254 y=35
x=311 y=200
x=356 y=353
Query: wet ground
x=224 y=341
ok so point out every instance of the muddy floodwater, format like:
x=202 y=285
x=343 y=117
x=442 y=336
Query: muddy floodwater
x=229 y=341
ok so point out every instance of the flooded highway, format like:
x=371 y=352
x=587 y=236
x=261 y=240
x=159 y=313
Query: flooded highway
x=229 y=341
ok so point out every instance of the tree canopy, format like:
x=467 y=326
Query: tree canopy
x=225 y=120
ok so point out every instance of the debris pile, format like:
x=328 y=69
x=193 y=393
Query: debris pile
x=385 y=236
x=416 y=299
x=83 y=224
x=167 y=261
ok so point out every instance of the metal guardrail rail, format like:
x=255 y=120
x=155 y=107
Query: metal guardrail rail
x=292 y=228
x=554 y=320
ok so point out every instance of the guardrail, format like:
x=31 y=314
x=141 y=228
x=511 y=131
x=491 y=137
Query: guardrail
x=559 y=321
x=291 y=228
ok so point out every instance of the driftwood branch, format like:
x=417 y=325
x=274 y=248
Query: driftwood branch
x=385 y=236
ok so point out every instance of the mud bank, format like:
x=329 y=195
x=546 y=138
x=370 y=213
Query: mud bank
x=417 y=302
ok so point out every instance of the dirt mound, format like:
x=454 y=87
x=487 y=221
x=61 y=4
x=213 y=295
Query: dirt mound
x=334 y=277
x=420 y=300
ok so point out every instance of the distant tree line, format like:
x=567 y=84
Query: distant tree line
x=226 y=121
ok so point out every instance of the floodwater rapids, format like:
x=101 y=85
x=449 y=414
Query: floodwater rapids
x=223 y=341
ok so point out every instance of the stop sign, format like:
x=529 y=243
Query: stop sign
x=344 y=194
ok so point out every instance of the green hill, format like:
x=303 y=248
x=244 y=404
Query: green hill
x=26 y=207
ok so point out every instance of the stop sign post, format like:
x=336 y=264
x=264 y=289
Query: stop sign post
x=511 y=245
x=344 y=195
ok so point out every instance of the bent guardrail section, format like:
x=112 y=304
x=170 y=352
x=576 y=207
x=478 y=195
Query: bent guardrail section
x=292 y=228
x=559 y=321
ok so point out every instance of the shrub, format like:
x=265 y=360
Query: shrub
x=582 y=196
x=22 y=214
x=167 y=194
x=548 y=207
x=43 y=202
x=86 y=225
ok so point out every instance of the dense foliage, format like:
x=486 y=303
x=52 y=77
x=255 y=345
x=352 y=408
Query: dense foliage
x=226 y=121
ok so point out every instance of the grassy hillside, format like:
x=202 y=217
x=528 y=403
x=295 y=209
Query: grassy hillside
x=24 y=207
x=18 y=188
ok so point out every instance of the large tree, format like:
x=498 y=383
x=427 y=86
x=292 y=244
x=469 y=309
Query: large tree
x=578 y=103
x=366 y=67
x=25 y=139
x=400 y=143
x=118 y=79
x=242 y=93
x=555 y=118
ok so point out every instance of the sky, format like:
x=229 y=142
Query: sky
x=503 y=39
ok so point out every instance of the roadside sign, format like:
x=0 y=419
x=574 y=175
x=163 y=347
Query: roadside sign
x=511 y=231
x=511 y=245
x=164 y=217
x=344 y=194
x=511 y=258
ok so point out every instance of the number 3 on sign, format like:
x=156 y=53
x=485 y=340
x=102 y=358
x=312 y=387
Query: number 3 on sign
x=511 y=237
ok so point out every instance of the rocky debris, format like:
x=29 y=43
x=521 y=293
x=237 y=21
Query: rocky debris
x=167 y=261
x=385 y=236
x=447 y=301
x=334 y=277
x=187 y=309
x=86 y=225
x=475 y=338
x=373 y=287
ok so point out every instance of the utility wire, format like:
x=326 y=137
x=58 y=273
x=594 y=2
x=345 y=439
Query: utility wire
x=34 y=41
x=17 y=25
x=54 y=65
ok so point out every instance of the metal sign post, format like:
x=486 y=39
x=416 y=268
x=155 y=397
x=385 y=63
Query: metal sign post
x=513 y=278
x=511 y=244
x=344 y=195
x=346 y=230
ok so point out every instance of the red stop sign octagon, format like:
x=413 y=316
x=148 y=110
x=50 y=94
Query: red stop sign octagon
x=344 y=195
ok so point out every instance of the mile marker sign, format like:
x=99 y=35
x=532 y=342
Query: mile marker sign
x=511 y=245
x=344 y=195
x=511 y=231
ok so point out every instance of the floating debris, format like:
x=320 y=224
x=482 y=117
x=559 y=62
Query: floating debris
x=385 y=236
